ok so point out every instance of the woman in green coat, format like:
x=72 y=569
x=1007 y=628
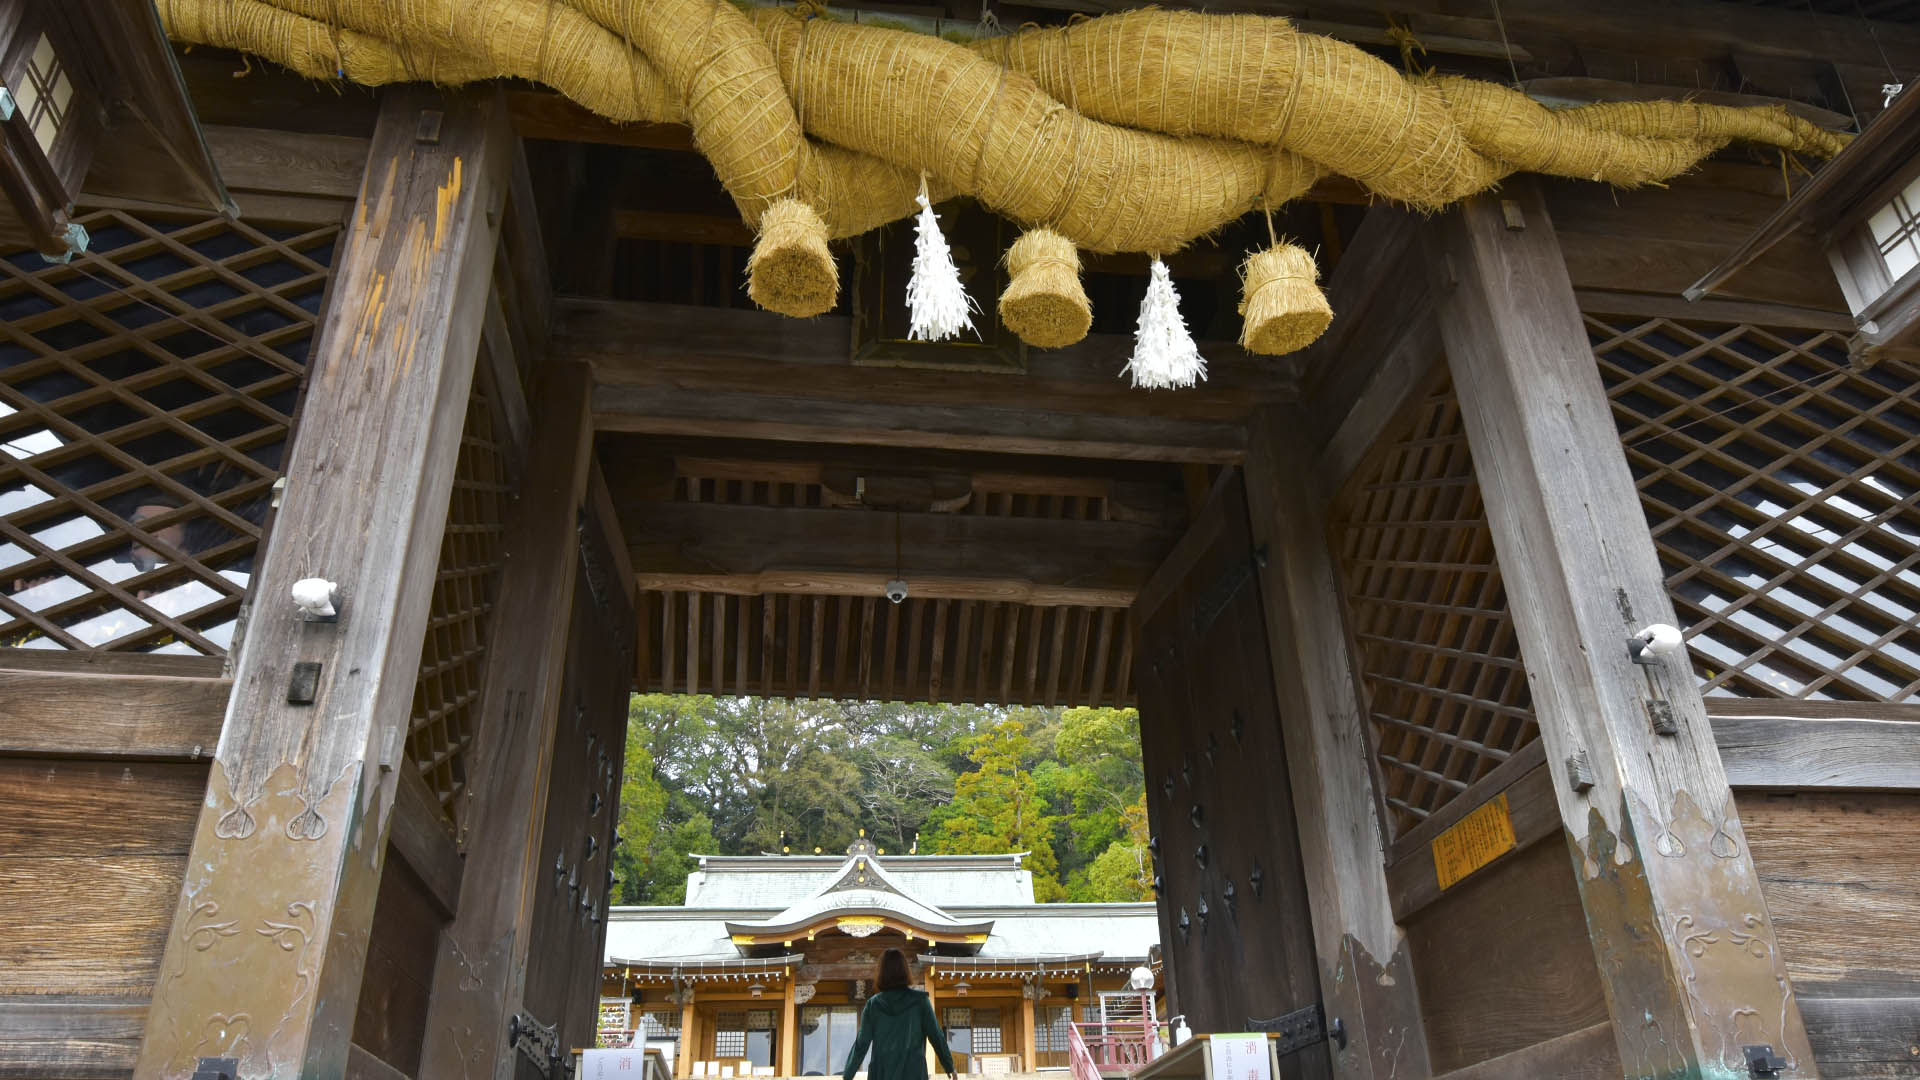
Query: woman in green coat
x=896 y=1021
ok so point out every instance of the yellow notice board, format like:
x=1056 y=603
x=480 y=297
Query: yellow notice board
x=1473 y=841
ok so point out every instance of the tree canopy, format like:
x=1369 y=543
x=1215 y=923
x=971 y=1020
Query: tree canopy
x=739 y=776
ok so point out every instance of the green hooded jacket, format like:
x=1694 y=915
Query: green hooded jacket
x=894 y=1023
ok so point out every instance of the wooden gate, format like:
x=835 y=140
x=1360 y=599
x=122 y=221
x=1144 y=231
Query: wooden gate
x=1234 y=923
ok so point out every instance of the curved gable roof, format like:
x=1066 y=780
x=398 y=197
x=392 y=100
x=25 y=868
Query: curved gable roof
x=860 y=899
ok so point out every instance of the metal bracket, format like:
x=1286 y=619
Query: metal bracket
x=212 y=1068
x=538 y=1043
x=1301 y=1028
x=1762 y=1061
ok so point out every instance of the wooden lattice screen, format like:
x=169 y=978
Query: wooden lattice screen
x=147 y=398
x=1780 y=485
x=862 y=647
x=453 y=654
x=1433 y=640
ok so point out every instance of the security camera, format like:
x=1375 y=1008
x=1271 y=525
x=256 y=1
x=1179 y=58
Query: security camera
x=897 y=590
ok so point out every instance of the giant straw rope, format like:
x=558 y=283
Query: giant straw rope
x=1131 y=132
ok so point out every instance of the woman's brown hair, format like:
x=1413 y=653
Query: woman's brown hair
x=892 y=972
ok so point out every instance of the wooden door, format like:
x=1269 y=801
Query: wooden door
x=588 y=754
x=1234 y=920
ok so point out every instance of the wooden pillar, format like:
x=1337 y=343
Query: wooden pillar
x=1685 y=947
x=789 y=1031
x=264 y=958
x=689 y=1036
x=1026 y=1033
x=1366 y=974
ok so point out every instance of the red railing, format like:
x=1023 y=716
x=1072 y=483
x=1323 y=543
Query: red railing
x=1079 y=1058
x=1126 y=1045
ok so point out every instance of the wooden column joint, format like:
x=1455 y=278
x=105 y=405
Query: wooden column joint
x=1685 y=947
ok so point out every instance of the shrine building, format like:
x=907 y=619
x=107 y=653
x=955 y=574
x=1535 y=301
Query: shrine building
x=763 y=971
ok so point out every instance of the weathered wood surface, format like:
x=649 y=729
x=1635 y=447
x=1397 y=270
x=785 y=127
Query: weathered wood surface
x=750 y=549
x=1382 y=323
x=566 y=929
x=95 y=662
x=480 y=976
x=1864 y=1038
x=151 y=717
x=1587 y=1054
x=634 y=343
x=1657 y=832
x=1792 y=750
x=1366 y=975
x=1218 y=795
x=1662 y=306
x=1841 y=875
x=390 y=1021
x=68 y=1037
x=1503 y=960
x=291 y=837
x=1000 y=429
x=91 y=855
x=86 y=924
x=1801 y=745
x=1535 y=815
x=1660 y=239
x=93 y=808
x=423 y=837
x=363 y=1064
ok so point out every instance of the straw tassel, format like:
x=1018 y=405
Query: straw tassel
x=1164 y=355
x=938 y=303
x=1284 y=308
x=791 y=271
x=1044 y=302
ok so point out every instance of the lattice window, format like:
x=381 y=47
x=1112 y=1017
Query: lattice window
x=1780 y=485
x=730 y=1035
x=453 y=655
x=1050 y=1032
x=986 y=1031
x=661 y=1024
x=1434 y=641
x=147 y=396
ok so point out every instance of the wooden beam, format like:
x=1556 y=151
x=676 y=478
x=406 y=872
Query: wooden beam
x=140 y=717
x=712 y=547
x=634 y=343
x=1664 y=873
x=1380 y=349
x=1817 y=745
x=481 y=975
x=279 y=892
x=1366 y=970
x=69 y=1037
x=1587 y=1054
x=423 y=837
x=984 y=429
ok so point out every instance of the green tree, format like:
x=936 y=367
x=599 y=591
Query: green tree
x=997 y=808
x=1125 y=870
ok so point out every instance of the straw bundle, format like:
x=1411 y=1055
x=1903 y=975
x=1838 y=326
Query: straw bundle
x=1044 y=303
x=1131 y=132
x=1282 y=307
x=1257 y=80
x=791 y=271
x=935 y=106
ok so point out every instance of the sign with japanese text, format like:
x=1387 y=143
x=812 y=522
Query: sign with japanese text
x=611 y=1064
x=1240 y=1057
x=1476 y=840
